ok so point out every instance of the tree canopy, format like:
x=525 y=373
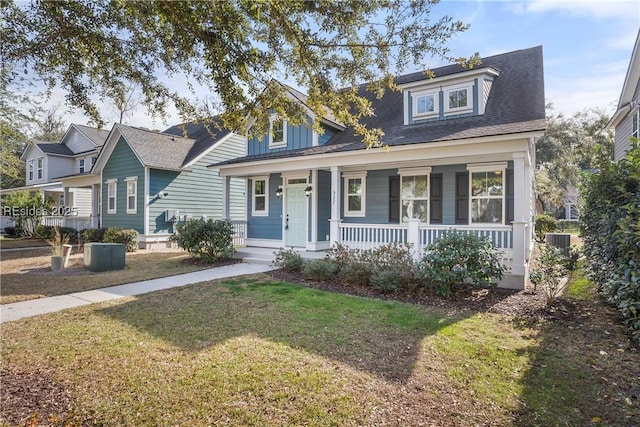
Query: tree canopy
x=570 y=146
x=234 y=48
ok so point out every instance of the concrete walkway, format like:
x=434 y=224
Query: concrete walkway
x=20 y=310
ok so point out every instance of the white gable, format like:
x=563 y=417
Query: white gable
x=77 y=141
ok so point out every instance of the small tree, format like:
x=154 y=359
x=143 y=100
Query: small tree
x=458 y=256
x=208 y=240
x=26 y=209
x=545 y=224
x=550 y=271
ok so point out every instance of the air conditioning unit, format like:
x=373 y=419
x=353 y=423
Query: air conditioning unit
x=171 y=215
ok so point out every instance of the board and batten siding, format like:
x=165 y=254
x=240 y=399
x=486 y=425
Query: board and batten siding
x=299 y=136
x=266 y=227
x=198 y=191
x=123 y=163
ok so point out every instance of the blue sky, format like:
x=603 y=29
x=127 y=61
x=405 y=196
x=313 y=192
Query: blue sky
x=587 y=47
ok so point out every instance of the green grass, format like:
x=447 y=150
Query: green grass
x=579 y=287
x=250 y=351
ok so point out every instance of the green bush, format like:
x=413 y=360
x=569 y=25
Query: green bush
x=387 y=280
x=128 y=237
x=356 y=272
x=92 y=235
x=320 y=270
x=206 y=239
x=610 y=227
x=550 y=271
x=545 y=224
x=288 y=259
x=48 y=233
x=458 y=256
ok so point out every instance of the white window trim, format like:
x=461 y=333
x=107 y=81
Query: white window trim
x=81 y=165
x=265 y=212
x=436 y=103
x=488 y=167
x=406 y=172
x=363 y=199
x=469 y=107
x=635 y=114
x=133 y=179
x=31 y=172
x=277 y=144
x=115 y=195
x=40 y=167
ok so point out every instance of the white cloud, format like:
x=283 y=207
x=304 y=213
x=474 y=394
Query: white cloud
x=623 y=9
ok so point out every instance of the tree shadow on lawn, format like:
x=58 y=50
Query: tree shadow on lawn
x=381 y=337
x=583 y=371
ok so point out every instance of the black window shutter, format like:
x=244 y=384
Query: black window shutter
x=510 y=207
x=462 y=198
x=435 y=199
x=394 y=199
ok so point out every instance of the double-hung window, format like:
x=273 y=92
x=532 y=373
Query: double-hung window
x=414 y=194
x=112 y=190
x=487 y=185
x=260 y=205
x=30 y=170
x=40 y=167
x=81 y=165
x=277 y=132
x=355 y=194
x=132 y=194
x=635 y=130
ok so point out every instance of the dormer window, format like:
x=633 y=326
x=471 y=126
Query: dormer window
x=425 y=103
x=459 y=98
x=277 y=132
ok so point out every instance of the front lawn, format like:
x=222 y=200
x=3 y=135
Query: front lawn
x=26 y=274
x=256 y=351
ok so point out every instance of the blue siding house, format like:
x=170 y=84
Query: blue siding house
x=152 y=181
x=459 y=154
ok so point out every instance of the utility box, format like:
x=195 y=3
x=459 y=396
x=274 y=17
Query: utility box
x=104 y=256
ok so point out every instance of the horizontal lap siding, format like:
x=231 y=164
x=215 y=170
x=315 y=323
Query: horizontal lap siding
x=123 y=163
x=623 y=137
x=197 y=192
x=266 y=227
x=79 y=143
x=59 y=166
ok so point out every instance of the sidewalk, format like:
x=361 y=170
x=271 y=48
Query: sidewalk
x=20 y=310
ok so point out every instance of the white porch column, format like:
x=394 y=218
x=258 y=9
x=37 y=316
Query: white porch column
x=519 y=220
x=413 y=237
x=226 y=191
x=335 y=206
x=65 y=191
x=66 y=205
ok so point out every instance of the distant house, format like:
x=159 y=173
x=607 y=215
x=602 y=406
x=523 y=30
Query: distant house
x=460 y=155
x=626 y=120
x=47 y=165
x=151 y=181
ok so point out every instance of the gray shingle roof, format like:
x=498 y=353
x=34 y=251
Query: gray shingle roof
x=516 y=104
x=205 y=134
x=157 y=150
x=54 y=148
x=98 y=136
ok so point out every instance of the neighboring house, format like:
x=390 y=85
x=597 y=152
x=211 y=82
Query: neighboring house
x=152 y=181
x=460 y=155
x=626 y=120
x=49 y=163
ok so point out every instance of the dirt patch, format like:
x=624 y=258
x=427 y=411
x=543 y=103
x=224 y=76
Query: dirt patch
x=32 y=398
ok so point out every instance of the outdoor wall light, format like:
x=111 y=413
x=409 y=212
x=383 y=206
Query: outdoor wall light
x=307 y=190
x=162 y=195
x=279 y=192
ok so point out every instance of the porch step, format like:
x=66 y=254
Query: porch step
x=256 y=260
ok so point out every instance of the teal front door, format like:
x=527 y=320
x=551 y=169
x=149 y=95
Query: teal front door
x=296 y=217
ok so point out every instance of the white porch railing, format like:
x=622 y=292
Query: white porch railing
x=371 y=236
x=239 y=233
x=77 y=222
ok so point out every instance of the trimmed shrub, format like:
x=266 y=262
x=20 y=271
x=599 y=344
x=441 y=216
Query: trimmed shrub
x=288 y=259
x=89 y=235
x=456 y=257
x=610 y=227
x=128 y=237
x=356 y=273
x=320 y=270
x=545 y=224
x=208 y=240
x=48 y=233
x=550 y=271
x=387 y=280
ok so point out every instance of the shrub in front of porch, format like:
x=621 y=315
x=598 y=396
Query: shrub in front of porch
x=288 y=259
x=48 y=233
x=457 y=257
x=208 y=240
x=125 y=236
